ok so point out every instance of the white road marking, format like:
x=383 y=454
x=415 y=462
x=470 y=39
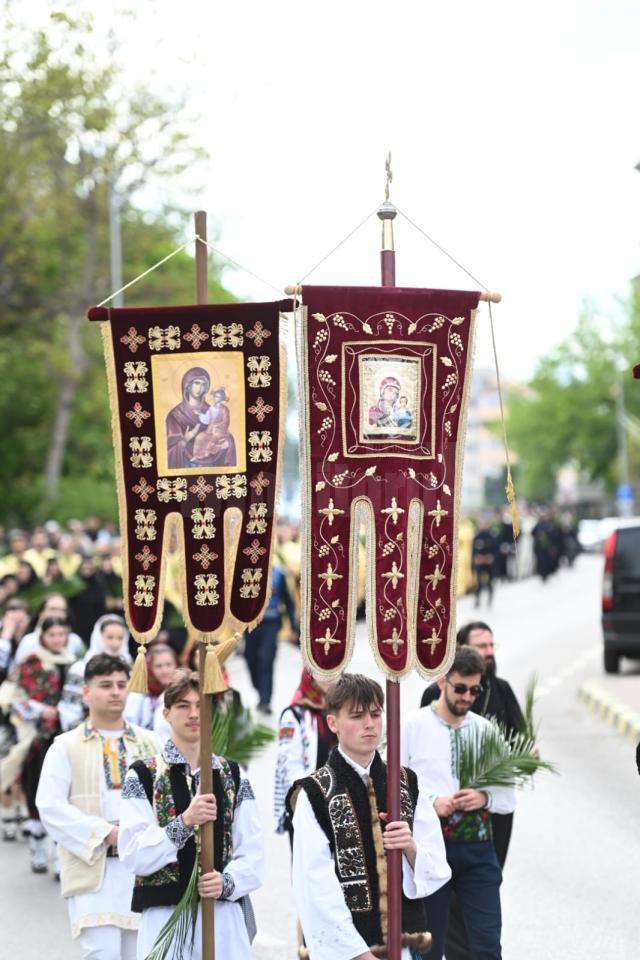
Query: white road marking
x=568 y=671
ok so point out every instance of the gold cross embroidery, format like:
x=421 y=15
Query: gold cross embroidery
x=435 y=578
x=433 y=640
x=438 y=513
x=330 y=512
x=329 y=576
x=328 y=640
x=395 y=641
x=393 y=575
x=394 y=510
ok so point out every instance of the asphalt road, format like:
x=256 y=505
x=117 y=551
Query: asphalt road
x=572 y=882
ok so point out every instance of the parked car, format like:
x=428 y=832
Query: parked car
x=621 y=594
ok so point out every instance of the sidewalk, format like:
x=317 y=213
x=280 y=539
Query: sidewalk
x=616 y=700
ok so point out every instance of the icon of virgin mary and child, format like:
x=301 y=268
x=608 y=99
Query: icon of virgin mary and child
x=392 y=410
x=198 y=432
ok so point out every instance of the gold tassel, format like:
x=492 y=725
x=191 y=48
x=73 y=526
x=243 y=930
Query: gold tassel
x=213 y=677
x=509 y=489
x=513 y=506
x=138 y=682
x=215 y=656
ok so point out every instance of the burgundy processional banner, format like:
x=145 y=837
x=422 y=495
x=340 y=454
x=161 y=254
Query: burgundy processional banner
x=198 y=402
x=384 y=375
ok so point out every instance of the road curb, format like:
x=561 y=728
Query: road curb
x=617 y=714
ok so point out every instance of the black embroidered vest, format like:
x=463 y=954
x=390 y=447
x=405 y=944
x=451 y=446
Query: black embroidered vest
x=347 y=811
x=166 y=887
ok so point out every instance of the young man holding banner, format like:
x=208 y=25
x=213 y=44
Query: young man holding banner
x=161 y=808
x=341 y=835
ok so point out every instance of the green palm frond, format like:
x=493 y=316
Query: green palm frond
x=490 y=758
x=234 y=733
x=529 y=727
x=236 y=736
x=179 y=931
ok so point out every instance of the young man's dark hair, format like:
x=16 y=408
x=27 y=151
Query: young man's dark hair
x=180 y=683
x=467 y=662
x=103 y=665
x=463 y=634
x=355 y=689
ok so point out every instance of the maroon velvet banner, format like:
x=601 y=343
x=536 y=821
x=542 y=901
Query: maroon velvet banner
x=383 y=377
x=196 y=398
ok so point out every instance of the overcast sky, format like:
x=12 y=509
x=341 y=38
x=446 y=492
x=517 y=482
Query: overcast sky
x=513 y=130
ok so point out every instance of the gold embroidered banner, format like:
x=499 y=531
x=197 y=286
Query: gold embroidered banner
x=198 y=399
x=383 y=376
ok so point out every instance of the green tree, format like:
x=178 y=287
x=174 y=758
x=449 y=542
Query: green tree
x=69 y=130
x=567 y=412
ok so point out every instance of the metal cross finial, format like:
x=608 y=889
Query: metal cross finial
x=387 y=166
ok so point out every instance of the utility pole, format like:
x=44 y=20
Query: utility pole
x=624 y=493
x=115 y=242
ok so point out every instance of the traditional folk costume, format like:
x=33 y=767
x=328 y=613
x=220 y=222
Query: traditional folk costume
x=79 y=802
x=430 y=745
x=339 y=862
x=496 y=701
x=34 y=684
x=155 y=844
x=304 y=743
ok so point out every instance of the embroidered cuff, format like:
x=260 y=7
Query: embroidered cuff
x=228 y=886
x=178 y=832
x=245 y=792
x=133 y=789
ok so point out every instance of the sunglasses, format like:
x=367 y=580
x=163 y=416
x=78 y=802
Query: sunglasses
x=461 y=688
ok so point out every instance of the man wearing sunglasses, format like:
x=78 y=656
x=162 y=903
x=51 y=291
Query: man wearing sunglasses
x=429 y=746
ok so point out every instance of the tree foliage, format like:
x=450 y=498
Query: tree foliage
x=70 y=130
x=566 y=414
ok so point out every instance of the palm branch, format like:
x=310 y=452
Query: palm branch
x=491 y=758
x=234 y=733
x=180 y=928
x=529 y=727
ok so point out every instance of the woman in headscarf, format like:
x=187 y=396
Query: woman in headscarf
x=53 y=605
x=183 y=421
x=304 y=741
x=32 y=695
x=145 y=709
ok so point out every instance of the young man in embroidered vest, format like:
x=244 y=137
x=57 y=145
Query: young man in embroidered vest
x=341 y=834
x=79 y=802
x=162 y=805
x=429 y=744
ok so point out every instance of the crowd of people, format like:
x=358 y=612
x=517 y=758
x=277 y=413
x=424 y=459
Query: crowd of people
x=105 y=782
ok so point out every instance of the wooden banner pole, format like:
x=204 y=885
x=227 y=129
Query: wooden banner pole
x=206 y=772
x=386 y=213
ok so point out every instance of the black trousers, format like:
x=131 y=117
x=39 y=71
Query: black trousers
x=457 y=942
x=31 y=773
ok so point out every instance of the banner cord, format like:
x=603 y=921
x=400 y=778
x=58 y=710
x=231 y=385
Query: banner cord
x=337 y=246
x=509 y=489
x=441 y=248
x=255 y=276
x=146 y=272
